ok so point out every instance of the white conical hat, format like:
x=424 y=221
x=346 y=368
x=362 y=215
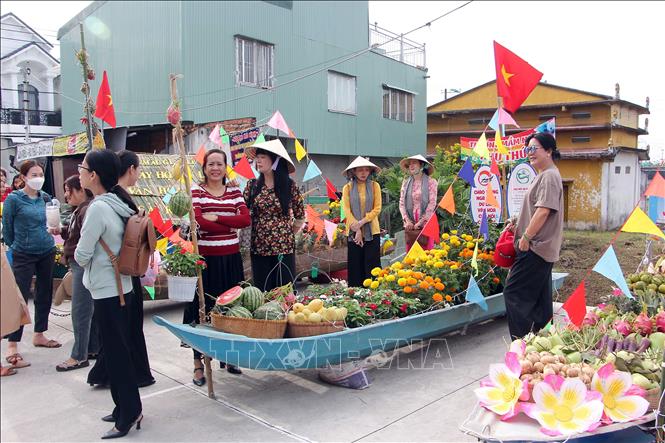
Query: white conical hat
x=404 y=162
x=360 y=162
x=274 y=146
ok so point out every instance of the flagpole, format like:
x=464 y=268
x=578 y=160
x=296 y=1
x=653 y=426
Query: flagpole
x=86 y=88
x=504 y=190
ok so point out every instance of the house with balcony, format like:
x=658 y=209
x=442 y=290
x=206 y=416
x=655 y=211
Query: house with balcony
x=344 y=87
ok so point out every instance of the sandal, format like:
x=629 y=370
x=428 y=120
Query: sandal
x=64 y=367
x=199 y=381
x=7 y=371
x=16 y=361
x=48 y=344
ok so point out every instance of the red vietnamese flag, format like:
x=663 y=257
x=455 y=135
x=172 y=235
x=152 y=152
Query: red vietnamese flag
x=575 y=306
x=331 y=190
x=104 y=107
x=515 y=78
x=431 y=228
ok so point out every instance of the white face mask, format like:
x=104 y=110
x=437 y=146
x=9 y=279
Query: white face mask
x=35 y=183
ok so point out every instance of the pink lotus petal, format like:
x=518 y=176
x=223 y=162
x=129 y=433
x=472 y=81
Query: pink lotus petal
x=528 y=408
x=518 y=347
x=513 y=363
x=486 y=383
x=555 y=381
x=550 y=432
x=525 y=395
x=593 y=395
x=636 y=390
x=605 y=370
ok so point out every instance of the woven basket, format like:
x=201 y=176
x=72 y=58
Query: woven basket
x=309 y=329
x=653 y=397
x=248 y=327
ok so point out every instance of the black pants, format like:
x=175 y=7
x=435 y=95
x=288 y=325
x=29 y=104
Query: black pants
x=41 y=266
x=361 y=260
x=267 y=275
x=137 y=347
x=113 y=324
x=528 y=294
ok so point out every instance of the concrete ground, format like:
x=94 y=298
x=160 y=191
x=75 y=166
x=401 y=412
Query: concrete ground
x=422 y=396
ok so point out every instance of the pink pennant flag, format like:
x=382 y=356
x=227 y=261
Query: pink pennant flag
x=215 y=137
x=278 y=122
x=506 y=119
x=330 y=230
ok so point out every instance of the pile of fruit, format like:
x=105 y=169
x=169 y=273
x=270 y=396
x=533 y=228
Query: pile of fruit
x=316 y=312
x=646 y=284
x=248 y=302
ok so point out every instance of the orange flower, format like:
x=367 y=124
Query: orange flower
x=449 y=298
x=424 y=285
x=496 y=280
x=408 y=289
x=429 y=279
x=439 y=286
x=412 y=281
x=418 y=275
x=437 y=297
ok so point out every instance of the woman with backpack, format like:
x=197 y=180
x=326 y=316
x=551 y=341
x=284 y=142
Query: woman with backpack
x=129 y=175
x=105 y=221
x=33 y=254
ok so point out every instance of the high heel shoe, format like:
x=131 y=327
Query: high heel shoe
x=109 y=418
x=115 y=433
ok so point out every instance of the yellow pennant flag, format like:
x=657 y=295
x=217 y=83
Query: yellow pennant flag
x=300 y=151
x=499 y=143
x=640 y=222
x=481 y=147
x=415 y=252
x=474 y=259
x=161 y=245
x=230 y=173
x=490 y=199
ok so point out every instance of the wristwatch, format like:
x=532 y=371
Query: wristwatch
x=526 y=236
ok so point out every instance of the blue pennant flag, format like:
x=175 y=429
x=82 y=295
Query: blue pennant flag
x=473 y=294
x=608 y=266
x=256 y=173
x=170 y=193
x=312 y=171
x=494 y=122
x=484 y=228
x=466 y=173
x=549 y=126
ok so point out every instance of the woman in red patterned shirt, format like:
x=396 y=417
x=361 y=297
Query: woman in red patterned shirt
x=219 y=210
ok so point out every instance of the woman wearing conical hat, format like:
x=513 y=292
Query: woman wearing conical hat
x=277 y=210
x=417 y=200
x=362 y=204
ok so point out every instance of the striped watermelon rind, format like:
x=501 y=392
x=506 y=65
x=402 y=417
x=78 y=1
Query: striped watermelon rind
x=269 y=311
x=180 y=203
x=252 y=298
x=238 y=311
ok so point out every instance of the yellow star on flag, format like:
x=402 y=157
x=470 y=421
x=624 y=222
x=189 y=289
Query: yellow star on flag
x=110 y=100
x=506 y=75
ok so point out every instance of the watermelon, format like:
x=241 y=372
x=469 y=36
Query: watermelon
x=180 y=203
x=238 y=311
x=252 y=298
x=269 y=311
x=229 y=296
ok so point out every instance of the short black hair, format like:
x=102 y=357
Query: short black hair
x=547 y=141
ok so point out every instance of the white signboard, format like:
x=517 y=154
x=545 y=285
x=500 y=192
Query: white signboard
x=519 y=183
x=478 y=205
x=42 y=148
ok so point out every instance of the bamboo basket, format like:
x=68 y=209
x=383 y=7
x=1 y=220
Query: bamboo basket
x=653 y=397
x=294 y=330
x=248 y=327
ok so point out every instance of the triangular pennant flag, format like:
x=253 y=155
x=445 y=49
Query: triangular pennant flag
x=151 y=291
x=330 y=230
x=494 y=122
x=657 y=186
x=256 y=173
x=484 y=229
x=311 y=214
x=501 y=149
x=278 y=122
x=506 y=119
x=170 y=193
x=161 y=245
x=481 y=149
x=474 y=259
x=222 y=131
x=311 y=172
x=466 y=173
x=244 y=168
x=342 y=213
x=575 y=306
x=608 y=265
x=200 y=155
x=230 y=173
x=490 y=198
x=640 y=222
x=431 y=228
x=448 y=201
x=548 y=126
x=300 y=151
x=156 y=217
x=331 y=190
x=494 y=168
x=260 y=139
x=415 y=251
x=473 y=294
x=215 y=137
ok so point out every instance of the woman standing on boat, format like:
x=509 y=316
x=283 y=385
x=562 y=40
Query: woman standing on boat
x=538 y=234
x=277 y=210
x=362 y=204
x=220 y=211
x=417 y=200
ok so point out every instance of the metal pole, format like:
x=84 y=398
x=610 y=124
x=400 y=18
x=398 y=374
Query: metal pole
x=504 y=180
x=26 y=103
x=86 y=89
x=401 y=47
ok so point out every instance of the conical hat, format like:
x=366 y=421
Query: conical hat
x=360 y=162
x=274 y=146
x=404 y=163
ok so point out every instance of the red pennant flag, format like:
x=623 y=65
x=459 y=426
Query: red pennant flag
x=431 y=228
x=575 y=306
x=156 y=218
x=657 y=186
x=331 y=190
x=494 y=168
x=515 y=78
x=167 y=229
x=200 y=155
x=104 y=106
x=244 y=168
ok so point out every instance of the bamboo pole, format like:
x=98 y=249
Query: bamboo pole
x=504 y=182
x=86 y=89
x=178 y=139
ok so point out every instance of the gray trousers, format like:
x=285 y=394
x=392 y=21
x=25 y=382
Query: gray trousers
x=85 y=331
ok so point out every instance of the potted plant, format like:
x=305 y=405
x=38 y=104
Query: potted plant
x=182 y=269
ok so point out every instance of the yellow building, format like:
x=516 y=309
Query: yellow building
x=597 y=135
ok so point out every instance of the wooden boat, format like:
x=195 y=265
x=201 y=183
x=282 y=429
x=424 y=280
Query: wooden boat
x=332 y=349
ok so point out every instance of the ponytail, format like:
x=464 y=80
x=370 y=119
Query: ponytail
x=124 y=196
x=106 y=165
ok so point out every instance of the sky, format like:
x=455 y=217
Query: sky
x=582 y=45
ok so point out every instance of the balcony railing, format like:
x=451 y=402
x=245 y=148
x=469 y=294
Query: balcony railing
x=13 y=116
x=397 y=46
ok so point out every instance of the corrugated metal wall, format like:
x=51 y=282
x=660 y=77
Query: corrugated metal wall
x=145 y=41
